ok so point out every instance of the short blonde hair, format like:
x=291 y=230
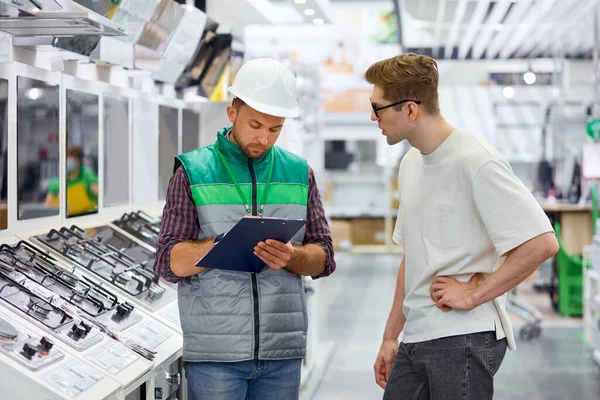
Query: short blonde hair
x=407 y=77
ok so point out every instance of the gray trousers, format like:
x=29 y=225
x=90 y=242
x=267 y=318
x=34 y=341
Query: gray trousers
x=453 y=368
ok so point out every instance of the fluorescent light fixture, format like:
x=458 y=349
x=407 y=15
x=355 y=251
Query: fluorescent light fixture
x=35 y=93
x=529 y=78
x=300 y=1
x=508 y=92
x=318 y=21
x=309 y=12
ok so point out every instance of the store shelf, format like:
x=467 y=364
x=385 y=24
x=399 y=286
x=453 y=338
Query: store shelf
x=355 y=118
x=377 y=249
x=591 y=299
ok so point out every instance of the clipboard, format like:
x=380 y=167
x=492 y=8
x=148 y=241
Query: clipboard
x=235 y=251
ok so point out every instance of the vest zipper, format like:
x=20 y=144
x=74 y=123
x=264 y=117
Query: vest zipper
x=254 y=190
x=254 y=279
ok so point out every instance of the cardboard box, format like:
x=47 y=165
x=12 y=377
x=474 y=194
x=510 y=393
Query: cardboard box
x=350 y=101
x=3 y=216
x=341 y=233
x=395 y=200
x=368 y=231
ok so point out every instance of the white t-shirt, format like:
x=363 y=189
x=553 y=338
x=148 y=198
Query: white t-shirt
x=462 y=209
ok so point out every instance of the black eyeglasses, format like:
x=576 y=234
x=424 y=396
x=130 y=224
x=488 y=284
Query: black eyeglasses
x=377 y=109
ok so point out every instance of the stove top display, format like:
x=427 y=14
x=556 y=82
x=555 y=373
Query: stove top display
x=141 y=226
x=34 y=303
x=111 y=264
x=113 y=239
x=39 y=272
x=27 y=349
x=75 y=308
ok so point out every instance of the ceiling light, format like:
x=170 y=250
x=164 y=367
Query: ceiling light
x=318 y=21
x=34 y=93
x=509 y=92
x=300 y=1
x=309 y=12
x=529 y=78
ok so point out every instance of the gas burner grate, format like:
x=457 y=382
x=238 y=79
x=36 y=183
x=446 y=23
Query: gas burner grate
x=27 y=302
x=141 y=226
x=110 y=264
x=7 y=331
x=84 y=294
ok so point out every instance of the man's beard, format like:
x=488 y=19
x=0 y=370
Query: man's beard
x=236 y=138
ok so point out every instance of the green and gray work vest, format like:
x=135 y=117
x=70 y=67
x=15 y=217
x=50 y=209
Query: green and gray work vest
x=229 y=316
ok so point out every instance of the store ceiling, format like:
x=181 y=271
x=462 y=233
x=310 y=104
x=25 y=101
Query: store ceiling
x=502 y=29
x=485 y=29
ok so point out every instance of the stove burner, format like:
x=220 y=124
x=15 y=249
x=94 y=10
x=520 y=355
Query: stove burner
x=78 y=297
x=69 y=277
x=140 y=225
x=39 y=307
x=109 y=262
x=7 y=331
x=5 y=267
x=123 y=278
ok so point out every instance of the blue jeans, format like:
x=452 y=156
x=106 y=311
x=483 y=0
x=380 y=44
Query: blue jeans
x=452 y=368
x=247 y=380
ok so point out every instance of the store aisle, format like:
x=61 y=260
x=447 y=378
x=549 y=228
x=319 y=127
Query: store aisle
x=356 y=301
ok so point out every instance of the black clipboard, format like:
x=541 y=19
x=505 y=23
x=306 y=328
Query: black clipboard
x=235 y=251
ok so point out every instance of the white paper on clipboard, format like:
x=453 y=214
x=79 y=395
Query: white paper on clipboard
x=590 y=168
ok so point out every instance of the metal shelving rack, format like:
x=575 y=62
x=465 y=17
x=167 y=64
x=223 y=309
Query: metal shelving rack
x=591 y=297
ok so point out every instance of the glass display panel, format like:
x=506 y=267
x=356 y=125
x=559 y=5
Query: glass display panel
x=82 y=153
x=167 y=145
x=116 y=151
x=37 y=148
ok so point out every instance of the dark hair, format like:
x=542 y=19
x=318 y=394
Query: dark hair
x=407 y=76
x=238 y=103
x=75 y=152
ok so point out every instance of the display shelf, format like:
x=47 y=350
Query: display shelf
x=377 y=249
x=591 y=299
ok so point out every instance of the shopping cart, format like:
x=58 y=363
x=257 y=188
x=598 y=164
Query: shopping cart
x=532 y=316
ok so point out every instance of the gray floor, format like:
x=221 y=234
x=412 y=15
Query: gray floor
x=356 y=303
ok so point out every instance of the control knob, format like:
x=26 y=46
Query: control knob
x=87 y=327
x=77 y=331
x=46 y=344
x=124 y=309
x=29 y=351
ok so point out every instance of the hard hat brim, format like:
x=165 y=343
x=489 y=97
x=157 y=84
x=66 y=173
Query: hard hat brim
x=268 y=109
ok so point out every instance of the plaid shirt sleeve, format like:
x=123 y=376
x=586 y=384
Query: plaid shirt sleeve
x=317 y=228
x=179 y=223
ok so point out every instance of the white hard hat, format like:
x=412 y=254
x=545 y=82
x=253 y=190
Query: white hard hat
x=267 y=86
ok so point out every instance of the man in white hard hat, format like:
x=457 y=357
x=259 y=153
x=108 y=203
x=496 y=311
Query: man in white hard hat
x=245 y=333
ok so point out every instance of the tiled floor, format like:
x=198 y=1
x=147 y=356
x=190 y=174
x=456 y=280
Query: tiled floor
x=356 y=302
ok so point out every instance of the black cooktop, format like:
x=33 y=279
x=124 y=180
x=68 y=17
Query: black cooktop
x=111 y=264
x=38 y=272
x=141 y=226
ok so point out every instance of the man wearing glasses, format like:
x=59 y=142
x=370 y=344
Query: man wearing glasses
x=471 y=232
